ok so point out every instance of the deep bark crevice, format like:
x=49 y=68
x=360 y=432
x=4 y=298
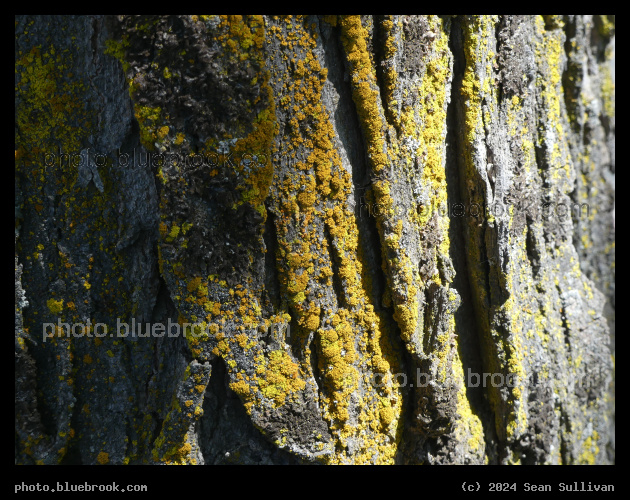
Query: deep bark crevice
x=379 y=40
x=353 y=140
x=272 y=283
x=334 y=260
x=466 y=324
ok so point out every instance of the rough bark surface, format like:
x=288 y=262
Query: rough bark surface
x=361 y=215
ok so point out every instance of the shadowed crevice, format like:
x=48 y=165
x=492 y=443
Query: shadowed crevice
x=466 y=328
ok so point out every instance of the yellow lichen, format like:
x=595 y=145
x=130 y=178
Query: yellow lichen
x=55 y=306
x=102 y=458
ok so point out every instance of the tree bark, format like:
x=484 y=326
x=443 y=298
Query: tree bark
x=394 y=236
